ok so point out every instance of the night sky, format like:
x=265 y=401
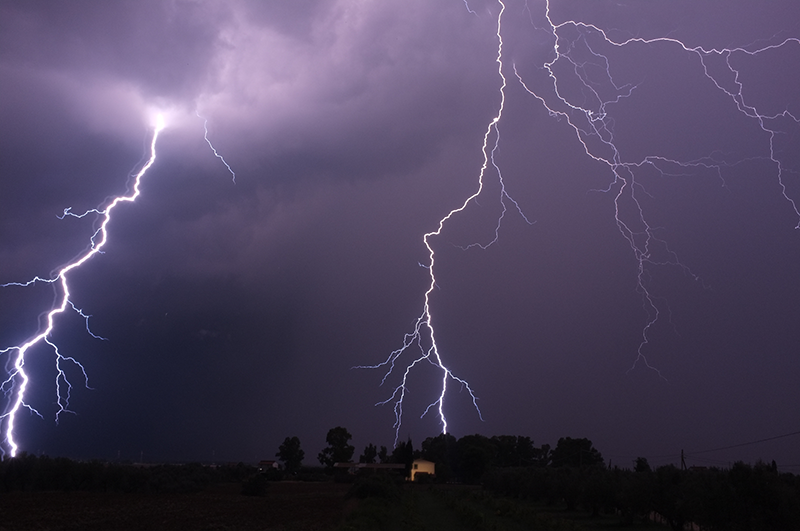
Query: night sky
x=234 y=312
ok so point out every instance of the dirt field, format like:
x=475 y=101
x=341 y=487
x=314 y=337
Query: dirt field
x=287 y=506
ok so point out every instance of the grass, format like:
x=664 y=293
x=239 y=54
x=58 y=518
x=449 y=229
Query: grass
x=372 y=505
x=286 y=506
x=460 y=508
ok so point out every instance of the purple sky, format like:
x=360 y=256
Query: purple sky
x=234 y=312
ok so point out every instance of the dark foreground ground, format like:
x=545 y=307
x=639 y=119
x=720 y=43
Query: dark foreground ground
x=286 y=506
x=293 y=506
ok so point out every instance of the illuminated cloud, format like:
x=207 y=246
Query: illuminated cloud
x=352 y=127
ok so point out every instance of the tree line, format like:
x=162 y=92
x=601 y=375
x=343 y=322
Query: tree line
x=464 y=460
x=573 y=475
x=27 y=472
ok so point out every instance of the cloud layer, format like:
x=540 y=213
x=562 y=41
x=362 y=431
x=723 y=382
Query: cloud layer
x=235 y=311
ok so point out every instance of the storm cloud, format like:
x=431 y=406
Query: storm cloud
x=235 y=311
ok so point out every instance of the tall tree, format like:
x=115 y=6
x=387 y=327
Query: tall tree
x=290 y=454
x=575 y=452
x=511 y=450
x=339 y=449
x=369 y=455
x=641 y=465
x=403 y=453
x=476 y=454
x=442 y=450
x=383 y=455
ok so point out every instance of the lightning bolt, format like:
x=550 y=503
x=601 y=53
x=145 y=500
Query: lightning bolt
x=205 y=135
x=422 y=339
x=574 y=60
x=17 y=382
x=594 y=130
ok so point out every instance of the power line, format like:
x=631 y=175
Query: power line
x=745 y=444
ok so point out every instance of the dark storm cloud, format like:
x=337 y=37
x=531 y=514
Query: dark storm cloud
x=380 y=76
x=296 y=19
x=234 y=311
x=308 y=105
x=164 y=49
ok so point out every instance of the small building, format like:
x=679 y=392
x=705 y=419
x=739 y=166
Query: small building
x=421 y=466
x=263 y=466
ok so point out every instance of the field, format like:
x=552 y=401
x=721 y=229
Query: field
x=286 y=506
x=289 y=506
x=461 y=508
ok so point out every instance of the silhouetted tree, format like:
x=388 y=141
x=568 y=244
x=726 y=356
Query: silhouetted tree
x=403 y=453
x=442 y=450
x=670 y=496
x=525 y=451
x=641 y=465
x=505 y=450
x=476 y=455
x=369 y=455
x=597 y=490
x=564 y=484
x=383 y=455
x=635 y=494
x=511 y=450
x=339 y=449
x=575 y=452
x=291 y=454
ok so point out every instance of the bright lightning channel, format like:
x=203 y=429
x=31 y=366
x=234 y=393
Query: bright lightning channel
x=16 y=384
x=423 y=338
x=205 y=135
x=594 y=130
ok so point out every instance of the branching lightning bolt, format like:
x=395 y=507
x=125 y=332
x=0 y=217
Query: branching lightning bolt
x=17 y=382
x=593 y=126
x=423 y=338
x=594 y=130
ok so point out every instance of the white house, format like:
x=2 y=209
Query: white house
x=422 y=466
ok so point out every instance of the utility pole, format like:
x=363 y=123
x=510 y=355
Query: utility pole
x=683 y=461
